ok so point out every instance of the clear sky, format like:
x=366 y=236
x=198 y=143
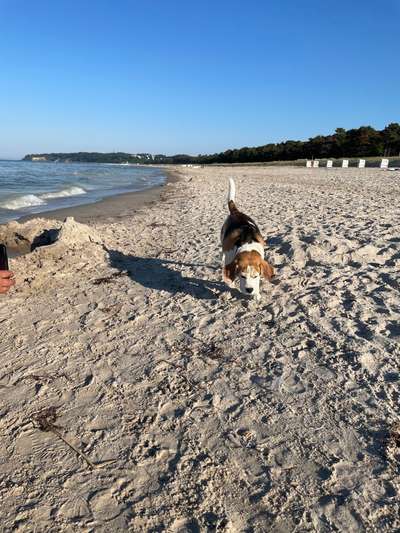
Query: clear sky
x=186 y=76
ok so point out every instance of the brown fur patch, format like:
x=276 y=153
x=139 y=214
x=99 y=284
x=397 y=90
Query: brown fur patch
x=248 y=259
x=268 y=271
x=230 y=271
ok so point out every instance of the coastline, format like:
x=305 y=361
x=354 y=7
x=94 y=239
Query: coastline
x=116 y=206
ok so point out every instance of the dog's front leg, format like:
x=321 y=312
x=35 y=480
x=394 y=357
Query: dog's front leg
x=227 y=280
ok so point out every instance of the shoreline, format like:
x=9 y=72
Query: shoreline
x=116 y=206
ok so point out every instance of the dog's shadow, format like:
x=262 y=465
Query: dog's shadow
x=154 y=273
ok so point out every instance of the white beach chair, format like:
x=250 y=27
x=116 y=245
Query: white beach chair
x=361 y=163
x=345 y=163
x=308 y=164
x=329 y=163
x=385 y=163
x=315 y=164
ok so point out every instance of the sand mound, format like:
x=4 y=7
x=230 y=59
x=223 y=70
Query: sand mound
x=27 y=236
x=75 y=234
x=20 y=237
x=51 y=250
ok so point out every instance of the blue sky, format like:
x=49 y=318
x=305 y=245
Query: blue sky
x=172 y=76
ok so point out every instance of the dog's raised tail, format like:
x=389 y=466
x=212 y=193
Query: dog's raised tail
x=231 y=195
x=232 y=190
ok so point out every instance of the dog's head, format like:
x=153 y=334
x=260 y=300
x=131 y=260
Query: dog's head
x=249 y=267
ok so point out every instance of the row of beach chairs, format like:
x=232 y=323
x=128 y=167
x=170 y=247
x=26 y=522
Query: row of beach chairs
x=384 y=164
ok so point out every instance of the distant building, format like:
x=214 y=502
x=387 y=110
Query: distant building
x=142 y=156
x=39 y=158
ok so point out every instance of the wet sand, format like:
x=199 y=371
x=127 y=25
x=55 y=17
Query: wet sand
x=120 y=205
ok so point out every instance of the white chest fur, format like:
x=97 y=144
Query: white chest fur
x=251 y=247
x=230 y=255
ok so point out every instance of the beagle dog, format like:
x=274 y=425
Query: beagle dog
x=243 y=250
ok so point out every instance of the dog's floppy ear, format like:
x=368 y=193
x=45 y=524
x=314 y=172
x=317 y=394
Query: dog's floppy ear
x=230 y=271
x=267 y=271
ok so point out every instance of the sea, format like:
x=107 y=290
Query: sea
x=28 y=187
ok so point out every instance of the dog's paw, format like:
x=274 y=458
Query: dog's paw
x=226 y=296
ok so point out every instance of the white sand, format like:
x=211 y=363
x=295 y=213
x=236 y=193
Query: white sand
x=202 y=410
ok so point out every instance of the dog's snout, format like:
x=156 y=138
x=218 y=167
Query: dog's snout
x=249 y=289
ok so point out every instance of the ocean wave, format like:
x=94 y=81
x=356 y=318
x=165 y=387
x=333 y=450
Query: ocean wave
x=70 y=191
x=31 y=200
x=27 y=200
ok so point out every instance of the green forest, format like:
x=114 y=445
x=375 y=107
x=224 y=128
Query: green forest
x=360 y=142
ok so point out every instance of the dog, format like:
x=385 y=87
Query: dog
x=243 y=250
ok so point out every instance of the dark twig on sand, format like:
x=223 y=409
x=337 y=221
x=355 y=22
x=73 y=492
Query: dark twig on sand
x=44 y=420
x=108 y=279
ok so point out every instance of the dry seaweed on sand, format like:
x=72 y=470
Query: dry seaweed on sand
x=108 y=279
x=45 y=421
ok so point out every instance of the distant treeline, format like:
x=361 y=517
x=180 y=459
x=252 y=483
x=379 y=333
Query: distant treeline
x=91 y=157
x=360 y=142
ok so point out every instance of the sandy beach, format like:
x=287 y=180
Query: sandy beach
x=139 y=393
